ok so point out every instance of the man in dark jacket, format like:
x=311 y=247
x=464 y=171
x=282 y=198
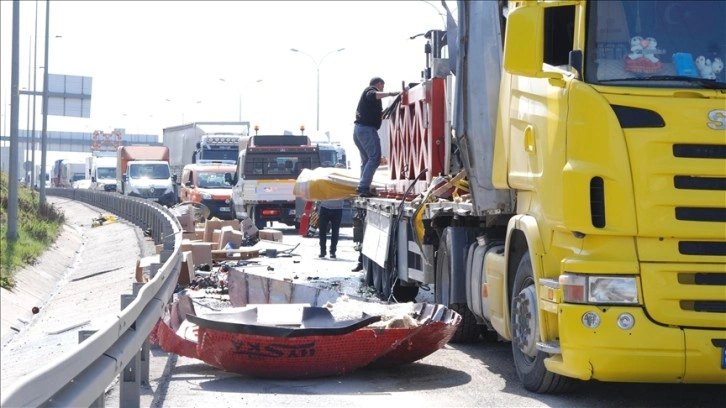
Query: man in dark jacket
x=365 y=133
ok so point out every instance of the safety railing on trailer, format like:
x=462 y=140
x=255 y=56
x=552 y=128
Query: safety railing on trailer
x=80 y=377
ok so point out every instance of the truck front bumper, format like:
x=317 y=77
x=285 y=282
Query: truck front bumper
x=648 y=352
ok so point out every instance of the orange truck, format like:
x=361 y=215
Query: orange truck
x=205 y=183
x=143 y=171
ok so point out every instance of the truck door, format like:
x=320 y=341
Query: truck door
x=536 y=122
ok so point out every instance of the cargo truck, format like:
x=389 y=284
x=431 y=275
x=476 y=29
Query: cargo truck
x=266 y=170
x=566 y=191
x=143 y=171
x=71 y=171
x=203 y=142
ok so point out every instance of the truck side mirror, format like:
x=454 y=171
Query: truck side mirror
x=124 y=178
x=228 y=178
x=173 y=178
x=93 y=179
x=188 y=183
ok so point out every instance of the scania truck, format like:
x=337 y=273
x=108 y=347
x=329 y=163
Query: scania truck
x=567 y=188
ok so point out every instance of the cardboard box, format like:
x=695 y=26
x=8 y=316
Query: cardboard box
x=186 y=275
x=185 y=217
x=211 y=225
x=199 y=234
x=202 y=253
x=215 y=239
x=142 y=264
x=191 y=236
x=271 y=235
x=159 y=248
x=186 y=245
x=229 y=234
x=242 y=253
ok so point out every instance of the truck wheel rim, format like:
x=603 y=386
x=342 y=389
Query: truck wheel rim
x=525 y=330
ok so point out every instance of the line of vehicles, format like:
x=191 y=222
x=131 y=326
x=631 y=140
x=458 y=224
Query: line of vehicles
x=563 y=198
x=218 y=164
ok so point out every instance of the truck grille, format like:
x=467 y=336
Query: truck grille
x=680 y=197
x=148 y=193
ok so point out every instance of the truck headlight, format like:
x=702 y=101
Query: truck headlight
x=205 y=195
x=598 y=289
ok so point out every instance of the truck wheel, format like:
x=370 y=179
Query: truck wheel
x=528 y=361
x=468 y=330
x=404 y=294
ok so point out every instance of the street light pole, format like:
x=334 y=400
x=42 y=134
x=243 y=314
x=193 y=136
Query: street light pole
x=12 y=232
x=44 y=138
x=239 y=95
x=317 y=68
x=35 y=72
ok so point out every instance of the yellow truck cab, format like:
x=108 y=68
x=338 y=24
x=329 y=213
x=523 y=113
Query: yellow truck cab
x=571 y=185
x=205 y=184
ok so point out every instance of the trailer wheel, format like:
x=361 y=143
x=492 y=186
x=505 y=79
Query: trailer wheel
x=468 y=330
x=403 y=293
x=524 y=322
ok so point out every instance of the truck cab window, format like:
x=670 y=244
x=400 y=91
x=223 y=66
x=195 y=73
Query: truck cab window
x=559 y=26
x=656 y=43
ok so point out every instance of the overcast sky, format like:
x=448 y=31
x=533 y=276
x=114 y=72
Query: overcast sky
x=159 y=64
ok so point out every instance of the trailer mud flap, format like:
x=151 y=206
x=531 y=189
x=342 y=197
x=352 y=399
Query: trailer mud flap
x=376 y=237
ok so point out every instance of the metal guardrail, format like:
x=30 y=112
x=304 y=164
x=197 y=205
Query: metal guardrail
x=80 y=378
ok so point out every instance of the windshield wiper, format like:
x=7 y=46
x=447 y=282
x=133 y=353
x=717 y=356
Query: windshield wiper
x=706 y=83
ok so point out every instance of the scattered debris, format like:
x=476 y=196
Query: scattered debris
x=103 y=219
x=72 y=326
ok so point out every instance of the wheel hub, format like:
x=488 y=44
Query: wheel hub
x=525 y=330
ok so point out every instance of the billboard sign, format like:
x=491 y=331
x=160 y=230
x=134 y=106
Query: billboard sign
x=69 y=95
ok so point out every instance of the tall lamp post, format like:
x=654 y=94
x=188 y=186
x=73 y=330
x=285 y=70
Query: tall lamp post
x=317 y=68
x=239 y=94
x=183 y=107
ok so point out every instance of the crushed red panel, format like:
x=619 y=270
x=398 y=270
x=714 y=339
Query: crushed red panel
x=293 y=357
x=171 y=342
x=235 y=350
x=423 y=340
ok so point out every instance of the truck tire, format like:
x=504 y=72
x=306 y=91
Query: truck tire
x=524 y=323
x=468 y=330
x=254 y=212
x=404 y=294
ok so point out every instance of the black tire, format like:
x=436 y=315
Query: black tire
x=524 y=323
x=403 y=293
x=468 y=330
x=259 y=223
x=490 y=336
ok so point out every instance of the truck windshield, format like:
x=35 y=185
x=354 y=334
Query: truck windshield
x=656 y=43
x=212 y=179
x=149 y=171
x=271 y=165
x=106 y=172
x=223 y=155
x=328 y=158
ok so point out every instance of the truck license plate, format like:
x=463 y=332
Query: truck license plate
x=292 y=212
x=224 y=209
